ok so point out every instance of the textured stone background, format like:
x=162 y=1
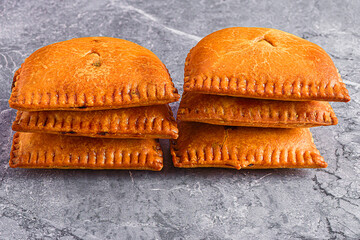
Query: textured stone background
x=178 y=203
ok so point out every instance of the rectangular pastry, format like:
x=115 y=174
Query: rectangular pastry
x=205 y=145
x=37 y=150
x=262 y=63
x=91 y=73
x=236 y=111
x=138 y=122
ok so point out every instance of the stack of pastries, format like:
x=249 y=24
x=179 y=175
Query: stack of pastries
x=250 y=97
x=94 y=103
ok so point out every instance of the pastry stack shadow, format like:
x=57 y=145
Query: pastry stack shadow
x=92 y=103
x=250 y=97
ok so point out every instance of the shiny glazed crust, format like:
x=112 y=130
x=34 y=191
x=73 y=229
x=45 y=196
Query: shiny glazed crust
x=36 y=150
x=262 y=63
x=139 y=122
x=205 y=145
x=90 y=74
x=236 y=111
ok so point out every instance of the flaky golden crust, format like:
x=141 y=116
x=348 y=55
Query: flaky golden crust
x=139 y=122
x=205 y=145
x=90 y=74
x=36 y=150
x=262 y=63
x=235 y=111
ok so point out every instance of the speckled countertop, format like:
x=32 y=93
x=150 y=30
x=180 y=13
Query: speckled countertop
x=180 y=203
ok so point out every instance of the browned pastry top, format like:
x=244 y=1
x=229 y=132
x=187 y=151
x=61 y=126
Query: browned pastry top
x=235 y=111
x=91 y=73
x=205 y=145
x=262 y=63
x=37 y=150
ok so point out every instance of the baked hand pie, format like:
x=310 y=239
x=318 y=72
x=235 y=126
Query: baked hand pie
x=138 y=122
x=37 y=150
x=235 y=111
x=91 y=73
x=205 y=145
x=262 y=63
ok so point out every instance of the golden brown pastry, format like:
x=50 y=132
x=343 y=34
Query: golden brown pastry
x=235 y=111
x=36 y=150
x=91 y=73
x=205 y=145
x=262 y=63
x=138 y=122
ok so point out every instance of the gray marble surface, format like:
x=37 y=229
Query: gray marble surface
x=178 y=203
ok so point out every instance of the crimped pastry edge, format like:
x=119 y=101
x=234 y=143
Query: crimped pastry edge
x=295 y=90
x=141 y=95
x=249 y=160
x=242 y=116
x=14 y=162
x=99 y=128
